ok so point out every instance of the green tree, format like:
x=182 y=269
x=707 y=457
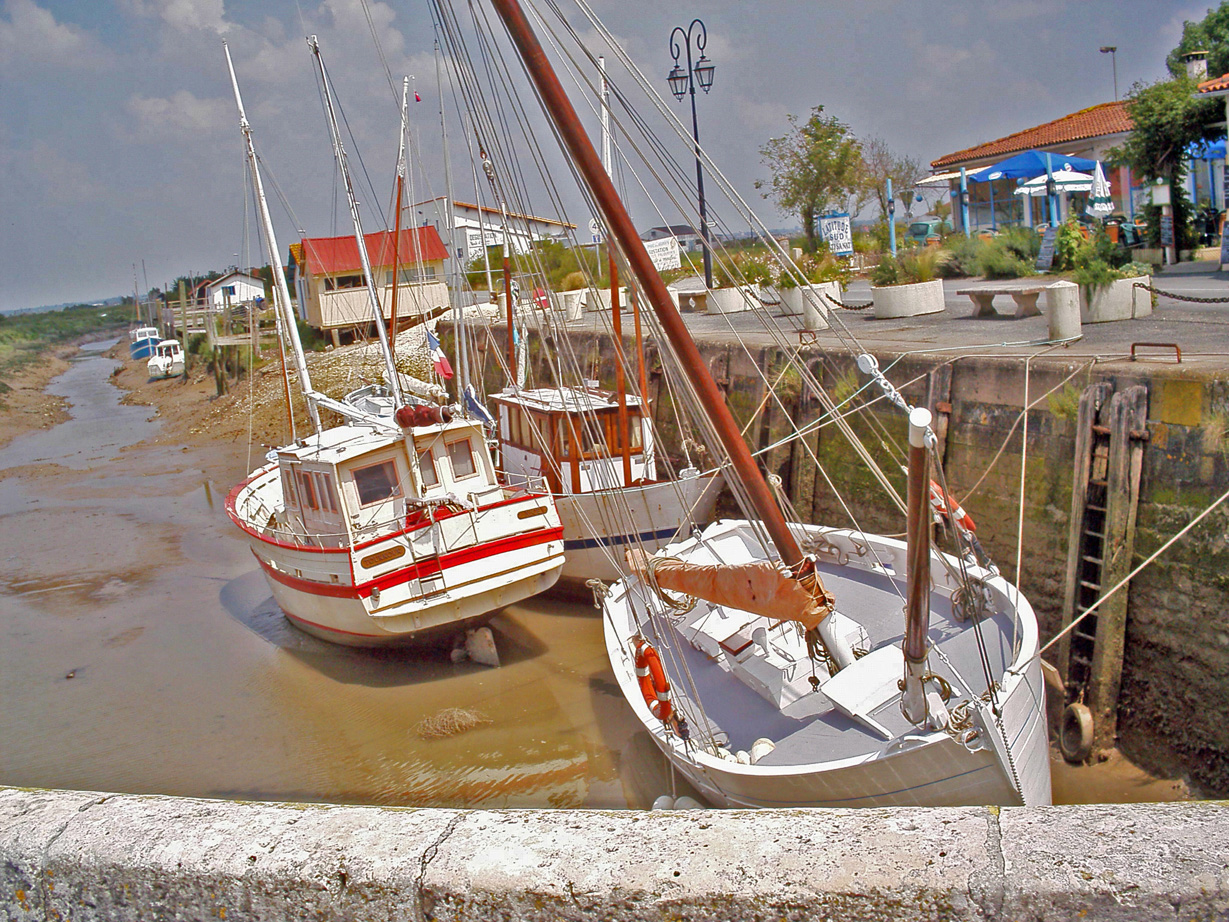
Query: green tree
x=1210 y=34
x=816 y=167
x=1167 y=119
x=881 y=165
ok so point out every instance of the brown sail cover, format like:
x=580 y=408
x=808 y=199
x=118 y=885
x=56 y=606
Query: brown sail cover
x=760 y=587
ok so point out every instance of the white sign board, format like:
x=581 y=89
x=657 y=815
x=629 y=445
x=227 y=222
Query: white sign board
x=664 y=253
x=836 y=231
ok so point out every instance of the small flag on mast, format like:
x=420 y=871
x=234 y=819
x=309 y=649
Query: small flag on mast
x=442 y=368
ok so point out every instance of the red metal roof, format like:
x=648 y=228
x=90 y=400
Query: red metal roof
x=1106 y=119
x=1216 y=83
x=333 y=255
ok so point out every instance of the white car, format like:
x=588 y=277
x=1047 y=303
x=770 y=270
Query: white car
x=167 y=360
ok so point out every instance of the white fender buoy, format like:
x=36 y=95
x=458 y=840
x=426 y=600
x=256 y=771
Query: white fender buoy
x=742 y=757
x=665 y=802
x=687 y=803
x=761 y=748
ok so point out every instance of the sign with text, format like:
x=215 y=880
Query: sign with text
x=664 y=253
x=1167 y=230
x=1045 y=256
x=837 y=233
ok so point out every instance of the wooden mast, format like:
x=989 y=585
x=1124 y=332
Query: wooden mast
x=621 y=228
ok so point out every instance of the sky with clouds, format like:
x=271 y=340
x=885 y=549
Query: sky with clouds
x=119 y=141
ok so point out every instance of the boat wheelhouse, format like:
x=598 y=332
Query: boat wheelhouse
x=568 y=441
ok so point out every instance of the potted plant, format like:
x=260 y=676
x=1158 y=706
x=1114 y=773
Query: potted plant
x=822 y=282
x=1108 y=283
x=738 y=285
x=906 y=285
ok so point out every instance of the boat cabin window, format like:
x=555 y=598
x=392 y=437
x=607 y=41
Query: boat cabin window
x=324 y=492
x=461 y=456
x=376 y=482
x=291 y=494
x=426 y=468
x=307 y=490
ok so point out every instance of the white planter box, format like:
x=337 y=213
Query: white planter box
x=811 y=303
x=1119 y=300
x=908 y=300
x=601 y=301
x=732 y=300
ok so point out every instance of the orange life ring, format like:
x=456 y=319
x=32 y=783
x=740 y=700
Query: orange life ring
x=945 y=505
x=653 y=684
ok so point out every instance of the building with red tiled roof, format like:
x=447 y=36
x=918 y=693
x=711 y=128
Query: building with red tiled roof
x=329 y=276
x=1089 y=133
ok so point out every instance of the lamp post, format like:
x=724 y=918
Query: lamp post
x=1112 y=51
x=683 y=82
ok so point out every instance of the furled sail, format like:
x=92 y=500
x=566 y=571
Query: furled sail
x=761 y=588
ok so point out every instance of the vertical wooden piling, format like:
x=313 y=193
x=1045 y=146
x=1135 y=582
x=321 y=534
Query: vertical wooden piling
x=1128 y=415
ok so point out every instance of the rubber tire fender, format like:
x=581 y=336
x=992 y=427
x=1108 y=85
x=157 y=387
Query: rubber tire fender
x=1075 y=733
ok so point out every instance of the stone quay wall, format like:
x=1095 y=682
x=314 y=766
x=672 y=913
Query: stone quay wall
x=86 y=856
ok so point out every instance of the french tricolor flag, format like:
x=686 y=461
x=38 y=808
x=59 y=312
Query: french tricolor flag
x=442 y=368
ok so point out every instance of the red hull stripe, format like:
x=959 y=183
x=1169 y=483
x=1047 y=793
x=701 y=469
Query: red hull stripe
x=405 y=574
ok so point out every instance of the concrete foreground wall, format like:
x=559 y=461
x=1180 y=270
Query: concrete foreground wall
x=84 y=856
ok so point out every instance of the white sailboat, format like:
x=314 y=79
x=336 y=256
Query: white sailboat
x=391 y=524
x=770 y=661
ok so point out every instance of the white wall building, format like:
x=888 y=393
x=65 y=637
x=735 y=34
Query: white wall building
x=472 y=223
x=234 y=288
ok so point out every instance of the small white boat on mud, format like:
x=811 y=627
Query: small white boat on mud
x=167 y=360
x=390 y=525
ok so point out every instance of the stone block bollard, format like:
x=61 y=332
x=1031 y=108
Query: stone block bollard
x=1063 y=310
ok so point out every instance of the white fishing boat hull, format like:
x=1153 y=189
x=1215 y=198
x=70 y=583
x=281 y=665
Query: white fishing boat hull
x=832 y=760
x=600 y=525
x=410 y=582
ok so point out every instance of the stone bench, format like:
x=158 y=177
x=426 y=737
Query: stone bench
x=983 y=300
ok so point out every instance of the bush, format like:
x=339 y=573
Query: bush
x=914 y=266
x=963 y=257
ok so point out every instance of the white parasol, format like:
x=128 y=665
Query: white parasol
x=1099 y=203
x=1064 y=181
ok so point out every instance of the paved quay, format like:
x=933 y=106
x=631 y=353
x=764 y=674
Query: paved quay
x=1201 y=331
x=85 y=856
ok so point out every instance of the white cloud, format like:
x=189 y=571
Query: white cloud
x=184 y=15
x=31 y=35
x=181 y=114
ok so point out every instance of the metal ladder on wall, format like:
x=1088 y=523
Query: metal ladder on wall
x=1104 y=497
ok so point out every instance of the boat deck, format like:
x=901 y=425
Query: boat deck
x=812 y=727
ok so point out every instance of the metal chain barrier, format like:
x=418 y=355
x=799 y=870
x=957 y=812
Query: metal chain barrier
x=1191 y=298
x=848 y=307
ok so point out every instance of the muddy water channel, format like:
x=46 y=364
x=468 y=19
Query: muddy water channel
x=141 y=651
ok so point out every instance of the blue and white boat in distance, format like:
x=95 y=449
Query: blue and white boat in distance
x=142 y=342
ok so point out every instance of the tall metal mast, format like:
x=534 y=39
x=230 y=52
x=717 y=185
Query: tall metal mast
x=450 y=220
x=281 y=291
x=377 y=313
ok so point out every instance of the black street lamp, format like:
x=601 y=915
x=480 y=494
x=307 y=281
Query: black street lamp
x=683 y=82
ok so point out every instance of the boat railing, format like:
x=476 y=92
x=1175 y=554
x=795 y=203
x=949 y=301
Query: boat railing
x=528 y=483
